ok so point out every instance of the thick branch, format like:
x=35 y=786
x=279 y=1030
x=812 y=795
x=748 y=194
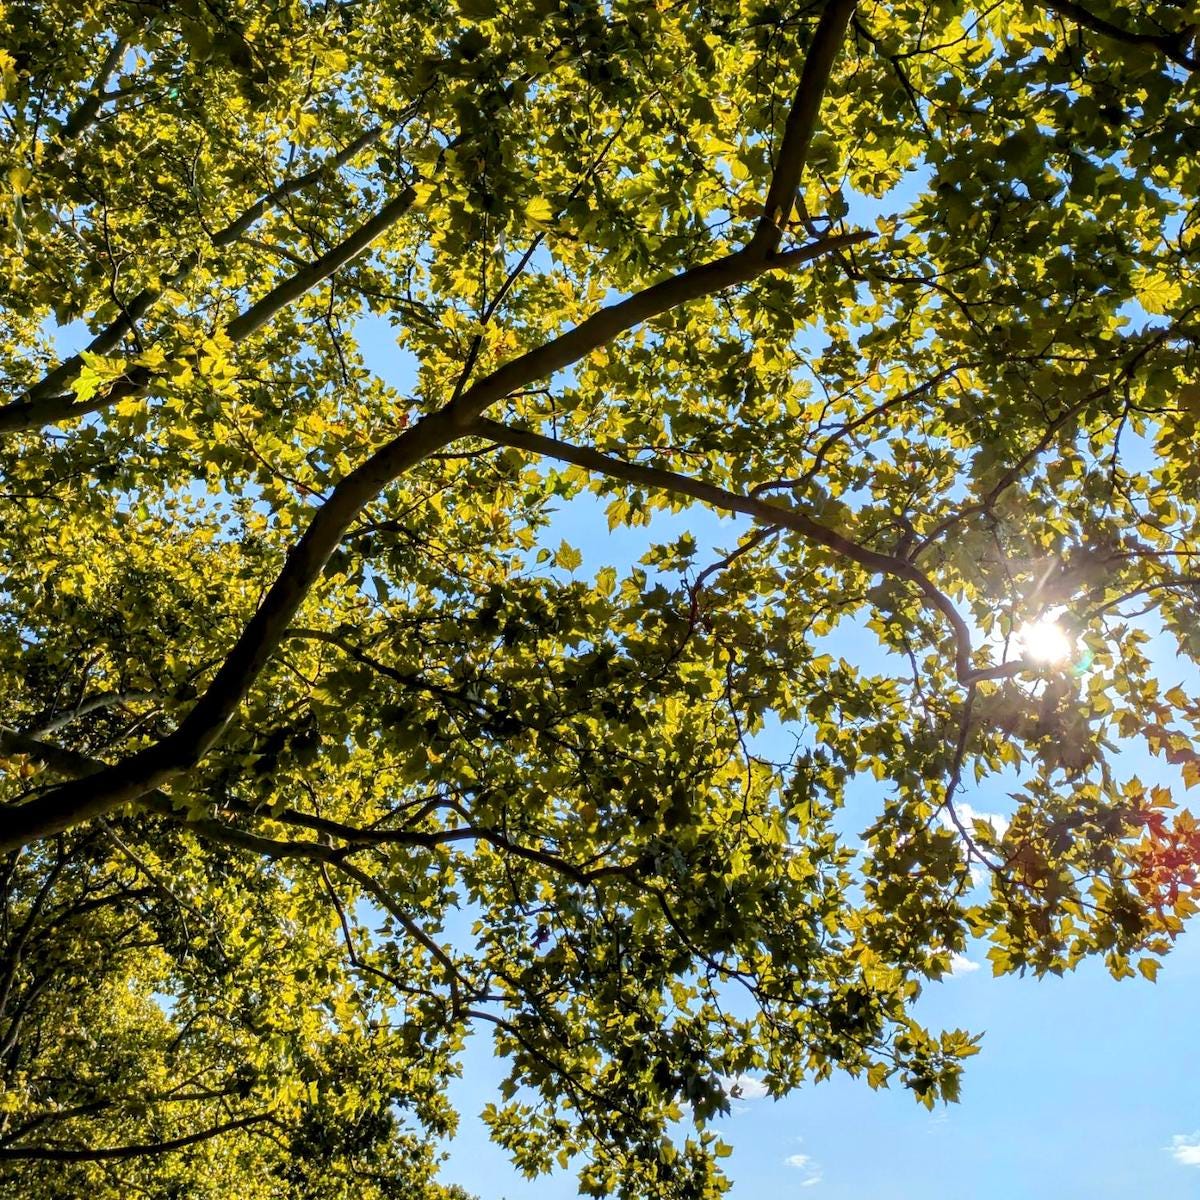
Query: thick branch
x=149 y=769
x=89 y=107
x=82 y=767
x=801 y=124
x=608 y=323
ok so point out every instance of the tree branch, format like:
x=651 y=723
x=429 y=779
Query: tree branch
x=760 y=510
x=86 y=113
x=601 y=328
x=801 y=124
x=110 y=336
x=36 y=408
x=1173 y=46
x=848 y=427
x=283 y=294
x=1009 y=476
x=65 y=762
x=81 y=768
x=148 y=769
x=352 y=837
x=90 y=704
x=72 y=1154
x=1155 y=338
x=387 y=902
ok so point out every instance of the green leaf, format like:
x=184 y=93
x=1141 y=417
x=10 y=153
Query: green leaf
x=567 y=557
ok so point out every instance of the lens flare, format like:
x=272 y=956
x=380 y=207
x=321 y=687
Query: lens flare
x=1045 y=641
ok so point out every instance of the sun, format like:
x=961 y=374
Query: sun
x=1045 y=641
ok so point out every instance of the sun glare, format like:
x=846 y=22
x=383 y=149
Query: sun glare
x=1045 y=641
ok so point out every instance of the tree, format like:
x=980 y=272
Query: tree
x=318 y=754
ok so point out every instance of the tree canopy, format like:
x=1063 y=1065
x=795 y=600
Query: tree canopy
x=323 y=749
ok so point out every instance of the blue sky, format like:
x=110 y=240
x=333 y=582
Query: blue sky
x=1085 y=1088
x=1080 y=1089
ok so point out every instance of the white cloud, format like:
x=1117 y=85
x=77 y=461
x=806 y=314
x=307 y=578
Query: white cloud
x=968 y=816
x=804 y=1162
x=960 y=964
x=744 y=1087
x=1185 y=1149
